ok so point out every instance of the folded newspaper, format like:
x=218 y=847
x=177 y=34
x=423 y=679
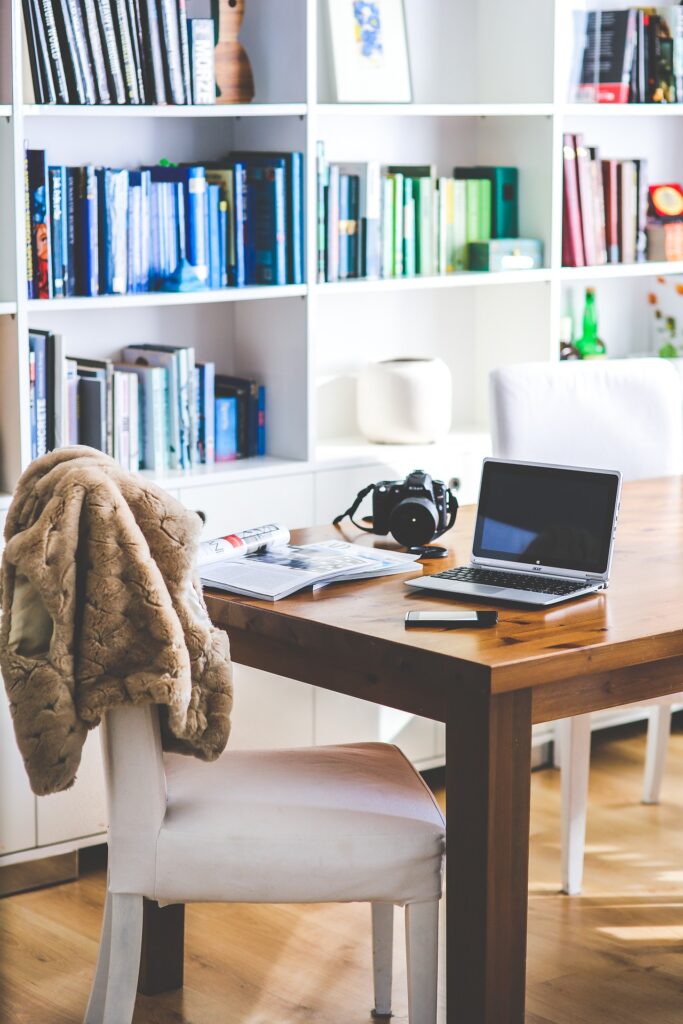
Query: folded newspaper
x=261 y=563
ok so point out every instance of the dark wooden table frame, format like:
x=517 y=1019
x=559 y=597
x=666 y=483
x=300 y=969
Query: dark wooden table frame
x=489 y=701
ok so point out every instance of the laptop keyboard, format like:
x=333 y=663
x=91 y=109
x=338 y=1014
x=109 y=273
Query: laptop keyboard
x=513 y=580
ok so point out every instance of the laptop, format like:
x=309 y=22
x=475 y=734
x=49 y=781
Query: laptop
x=543 y=534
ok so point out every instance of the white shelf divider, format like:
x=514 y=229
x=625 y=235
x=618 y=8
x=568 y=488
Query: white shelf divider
x=256 y=293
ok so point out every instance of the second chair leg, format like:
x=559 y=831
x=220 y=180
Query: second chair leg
x=124 y=958
x=658 y=731
x=382 y=956
x=576 y=750
x=422 y=948
x=95 y=1010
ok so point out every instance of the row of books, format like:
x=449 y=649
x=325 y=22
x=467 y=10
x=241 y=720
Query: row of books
x=401 y=220
x=628 y=56
x=156 y=408
x=605 y=206
x=120 y=51
x=103 y=231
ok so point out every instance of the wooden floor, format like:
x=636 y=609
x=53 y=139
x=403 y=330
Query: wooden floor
x=614 y=954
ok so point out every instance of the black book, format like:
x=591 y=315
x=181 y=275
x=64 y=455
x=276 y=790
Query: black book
x=606 y=64
x=95 y=46
x=82 y=51
x=70 y=214
x=154 y=61
x=136 y=41
x=92 y=416
x=168 y=16
x=41 y=73
x=185 y=50
x=125 y=43
x=67 y=45
x=246 y=393
x=54 y=50
x=110 y=49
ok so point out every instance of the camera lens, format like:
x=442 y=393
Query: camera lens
x=414 y=522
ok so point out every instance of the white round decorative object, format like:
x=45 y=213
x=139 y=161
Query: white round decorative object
x=405 y=401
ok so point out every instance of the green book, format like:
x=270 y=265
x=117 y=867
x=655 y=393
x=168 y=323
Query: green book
x=484 y=210
x=460 y=225
x=397 y=270
x=408 y=228
x=425 y=226
x=504 y=197
x=387 y=226
x=472 y=225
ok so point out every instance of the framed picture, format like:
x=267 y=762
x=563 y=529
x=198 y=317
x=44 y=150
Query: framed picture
x=368 y=51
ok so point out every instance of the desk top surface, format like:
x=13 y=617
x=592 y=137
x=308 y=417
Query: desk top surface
x=638 y=619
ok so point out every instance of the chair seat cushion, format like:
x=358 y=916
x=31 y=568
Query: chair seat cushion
x=338 y=823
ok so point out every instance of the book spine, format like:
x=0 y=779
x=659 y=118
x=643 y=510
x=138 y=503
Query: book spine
x=56 y=178
x=87 y=255
x=252 y=406
x=71 y=211
x=174 y=68
x=214 y=199
x=295 y=226
x=135 y=418
x=125 y=42
x=460 y=225
x=332 y=241
x=40 y=223
x=397 y=225
x=609 y=178
x=32 y=401
x=425 y=215
x=111 y=52
x=226 y=429
x=641 y=208
x=197 y=242
x=677 y=32
x=387 y=232
x=208 y=408
x=322 y=181
x=484 y=195
x=36 y=45
x=202 y=60
x=39 y=348
x=137 y=48
x=598 y=207
x=82 y=52
x=153 y=56
x=473 y=210
x=54 y=49
x=96 y=52
x=370 y=215
x=223 y=242
x=583 y=176
x=627 y=210
x=353 y=232
x=28 y=232
x=71 y=436
x=134 y=232
x=184 y=50
x=69 y=51
x=408 y=228
x=261 y=425
x=160 y=419
x=343 y=227
x=572 y=237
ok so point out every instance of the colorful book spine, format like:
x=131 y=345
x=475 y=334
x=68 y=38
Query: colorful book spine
x=261 y=422
x=397 y=225
x=40 y=223
x=71 y=210
x=28 y=231
x=573 y=253
x=226 y=429
x=58 y=232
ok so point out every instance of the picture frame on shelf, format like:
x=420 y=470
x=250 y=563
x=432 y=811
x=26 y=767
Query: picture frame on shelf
x=368 y=51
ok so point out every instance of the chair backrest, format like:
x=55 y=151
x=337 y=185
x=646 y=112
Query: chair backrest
x=619 y=414
x=136 y=794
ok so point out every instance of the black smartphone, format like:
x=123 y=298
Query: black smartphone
x=450 y=620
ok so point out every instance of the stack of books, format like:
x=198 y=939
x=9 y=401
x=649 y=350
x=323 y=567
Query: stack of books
x=108 y=231
x=156 y=408
x=403 y=220
x=120 y=51
x=605 y=206
x=628 y=56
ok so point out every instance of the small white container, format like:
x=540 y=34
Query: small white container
x=405 y=401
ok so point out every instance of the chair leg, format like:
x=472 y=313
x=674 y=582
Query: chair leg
x=422 y=948
x=95 y=1009
x=658 y=731
x=124 y=958
x=575 y=746
x=382 y=956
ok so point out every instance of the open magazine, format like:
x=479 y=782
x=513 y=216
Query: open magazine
x=261 y=563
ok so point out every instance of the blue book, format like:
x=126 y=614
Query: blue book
x=344 y=216
x=58 y=235
x=266 y=252
x=37 y=345
x=112 y=192
x=261 y=428
x=223 y=242
x=206 y=394
x=238 y=273
x=226 y=429
x=71 y=217
x=292 y=166
x=139 y=240
x=87 y=254
x=213 y=204
x=193 y=180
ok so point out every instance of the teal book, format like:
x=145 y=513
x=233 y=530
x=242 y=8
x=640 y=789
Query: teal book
x=153 y=392
x=149 y=355
x=504 y=197
x=397 y=226
x=409 y=252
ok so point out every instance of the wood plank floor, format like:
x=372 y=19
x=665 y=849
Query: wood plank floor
x=614 y=954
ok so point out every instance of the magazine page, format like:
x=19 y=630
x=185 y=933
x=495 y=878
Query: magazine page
x=245 y=543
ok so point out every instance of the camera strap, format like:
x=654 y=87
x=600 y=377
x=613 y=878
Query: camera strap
x=351 y=511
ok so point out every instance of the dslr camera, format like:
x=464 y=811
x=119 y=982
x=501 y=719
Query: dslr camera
x=414 y=511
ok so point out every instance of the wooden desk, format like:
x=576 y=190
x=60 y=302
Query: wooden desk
x=488 y=686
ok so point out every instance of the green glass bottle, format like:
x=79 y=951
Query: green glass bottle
x=589 y=346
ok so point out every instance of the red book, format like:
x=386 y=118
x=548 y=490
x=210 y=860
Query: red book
x=583 y=174
x=572 y=235
x=609 y=182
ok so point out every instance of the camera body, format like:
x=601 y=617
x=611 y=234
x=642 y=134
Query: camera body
x=414 y=511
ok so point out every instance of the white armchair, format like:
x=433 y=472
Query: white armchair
x=322 y=824
x=619 y=414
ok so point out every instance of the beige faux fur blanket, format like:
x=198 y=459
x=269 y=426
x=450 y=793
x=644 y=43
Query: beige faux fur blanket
x=101 y=606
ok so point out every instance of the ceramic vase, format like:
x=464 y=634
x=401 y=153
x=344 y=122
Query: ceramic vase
x=405 y=401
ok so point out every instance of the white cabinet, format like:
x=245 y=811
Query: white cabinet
x=80 y=811
x=235 y=506
x=17 y=802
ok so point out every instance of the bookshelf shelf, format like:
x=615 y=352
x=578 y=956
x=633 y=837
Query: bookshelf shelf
x=227 y=472
x=467 y=279
x=147 y=299
x=622 y=110
x=621 y=270
x=222 y=111
x=421 y=110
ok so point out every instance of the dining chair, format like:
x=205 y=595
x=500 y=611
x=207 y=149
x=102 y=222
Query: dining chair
x=313 y=825
x=616 y=414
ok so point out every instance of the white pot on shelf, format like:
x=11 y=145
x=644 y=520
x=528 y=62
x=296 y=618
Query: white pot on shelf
x=405 y=401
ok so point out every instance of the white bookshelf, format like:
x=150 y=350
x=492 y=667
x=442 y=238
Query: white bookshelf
x=489 y=86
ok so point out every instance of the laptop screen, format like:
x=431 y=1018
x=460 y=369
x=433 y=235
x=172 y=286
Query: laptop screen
x=543 y=515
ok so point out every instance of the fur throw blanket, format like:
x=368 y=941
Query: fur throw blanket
x=101 y=606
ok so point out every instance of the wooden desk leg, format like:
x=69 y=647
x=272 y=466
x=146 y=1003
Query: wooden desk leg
x=161 y=956
x=488 y=762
